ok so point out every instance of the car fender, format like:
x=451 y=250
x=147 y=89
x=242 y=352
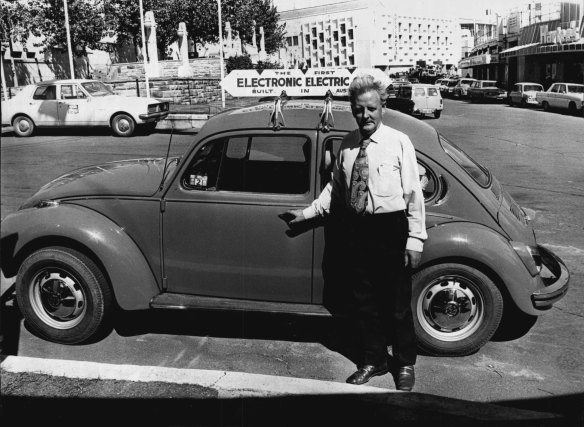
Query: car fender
x=131 y=278
x=481 y=246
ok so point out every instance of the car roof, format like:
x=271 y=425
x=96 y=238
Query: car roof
x=305 y=114
x=63 y=81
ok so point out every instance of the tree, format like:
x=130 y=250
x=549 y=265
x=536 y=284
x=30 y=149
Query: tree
x=86 y=23
x=13 y=19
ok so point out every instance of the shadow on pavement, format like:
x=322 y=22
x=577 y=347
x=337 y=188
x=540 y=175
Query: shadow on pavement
x=402 y=409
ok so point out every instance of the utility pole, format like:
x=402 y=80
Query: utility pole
x=144 y=55
x=220 y=53
x=71 y=67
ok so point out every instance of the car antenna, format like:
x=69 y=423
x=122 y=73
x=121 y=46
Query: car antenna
x=166 y=158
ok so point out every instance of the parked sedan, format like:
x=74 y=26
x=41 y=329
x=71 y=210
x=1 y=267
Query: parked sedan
x=486 y=90
x=524 y=94
x=79 y=102
x=461 y=88
x=204 y=231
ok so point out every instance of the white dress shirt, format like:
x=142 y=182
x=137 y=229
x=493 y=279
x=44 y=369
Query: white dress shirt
x=393 y=183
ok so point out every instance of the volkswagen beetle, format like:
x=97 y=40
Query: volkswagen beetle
x=203 y=231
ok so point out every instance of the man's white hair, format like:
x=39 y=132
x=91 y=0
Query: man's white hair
x=366 y=83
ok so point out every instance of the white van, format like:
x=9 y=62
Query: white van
x=418 y=99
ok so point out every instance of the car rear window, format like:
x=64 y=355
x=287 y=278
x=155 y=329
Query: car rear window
x=532 y=87
x=575 y=89
x=479 y=173
x=432 y=91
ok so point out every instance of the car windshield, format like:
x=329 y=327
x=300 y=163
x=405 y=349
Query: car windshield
x=575 y=89
x=452 y=83
x=96 y=88
x=532 y=87
x=479 y=173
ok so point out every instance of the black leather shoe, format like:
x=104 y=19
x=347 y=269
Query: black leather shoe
x=406 y=378
x=367 y=372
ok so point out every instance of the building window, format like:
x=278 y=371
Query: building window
x=313 y=31
x=342 y=28
x=307 y=38
x=350 y=34
x=295 y=40
x=343 y=41
x=336 y=36
x=322 y=62
x=351 y=60
x=314 y=44
x=321 y=37
x=336 y=61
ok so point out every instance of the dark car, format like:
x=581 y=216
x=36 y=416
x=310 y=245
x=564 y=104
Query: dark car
x=485 y=90
x=203 y=231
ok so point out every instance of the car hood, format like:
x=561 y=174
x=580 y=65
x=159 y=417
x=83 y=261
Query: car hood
x=131 y=178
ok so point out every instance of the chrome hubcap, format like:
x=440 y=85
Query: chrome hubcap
x=23 y=125
x=57 y=298
x=451 y=308
x=123 y=125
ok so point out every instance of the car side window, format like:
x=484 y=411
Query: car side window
x=71 y=92
x=45 y=93
x=555 y=88
x=516 y=88
x=428 y=181
x=277 y=164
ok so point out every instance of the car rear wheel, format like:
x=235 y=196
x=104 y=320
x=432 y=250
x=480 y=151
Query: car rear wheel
x=572 y=108
x=523 y=103
x=545 y=106
x=123 y=125
x=437 y=113
x=63 y=295
x=457 y=309
x=23 y=126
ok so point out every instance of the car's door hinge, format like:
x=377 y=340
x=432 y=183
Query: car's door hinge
x=162 y=205
x=164 y=283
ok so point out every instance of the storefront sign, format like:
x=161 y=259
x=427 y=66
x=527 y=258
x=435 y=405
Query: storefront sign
x=296 y=82
x=514 y=23
x=559 y=36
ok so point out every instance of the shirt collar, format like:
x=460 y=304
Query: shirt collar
x=380 y=134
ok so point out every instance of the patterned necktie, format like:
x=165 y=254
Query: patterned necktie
x=359 y=178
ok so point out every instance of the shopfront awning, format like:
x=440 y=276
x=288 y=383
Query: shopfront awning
x=541 y=49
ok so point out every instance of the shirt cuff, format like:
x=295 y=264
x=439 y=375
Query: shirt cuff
x=414 y=244
x=309 y=212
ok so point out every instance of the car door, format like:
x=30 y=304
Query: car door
x=43 y=107
x=222 y=236
x=73 y=106
x=420 y=99
x=553 y=95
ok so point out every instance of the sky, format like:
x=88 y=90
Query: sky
x=439 y=8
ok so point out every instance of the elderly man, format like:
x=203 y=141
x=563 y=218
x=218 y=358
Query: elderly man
x=376 y=195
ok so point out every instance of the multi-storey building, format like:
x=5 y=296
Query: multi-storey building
x=361 y=34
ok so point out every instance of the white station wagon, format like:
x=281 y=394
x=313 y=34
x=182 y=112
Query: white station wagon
x=79 y=102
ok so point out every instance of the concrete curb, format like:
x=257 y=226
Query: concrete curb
x=227 y=384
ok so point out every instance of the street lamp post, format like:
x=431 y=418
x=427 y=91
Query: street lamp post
x=144 y=58
x=221 y=54
x=72 y=68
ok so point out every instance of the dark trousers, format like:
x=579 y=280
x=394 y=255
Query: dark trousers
x=381 y=286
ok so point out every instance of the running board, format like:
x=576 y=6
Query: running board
x=197 y=302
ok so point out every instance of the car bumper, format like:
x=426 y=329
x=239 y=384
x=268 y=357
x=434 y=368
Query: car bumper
x=556 y=286
x=153 y=117
x=426 y=110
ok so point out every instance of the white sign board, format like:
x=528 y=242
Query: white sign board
x=296 y=82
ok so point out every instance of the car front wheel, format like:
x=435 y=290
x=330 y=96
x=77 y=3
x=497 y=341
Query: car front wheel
x=123 y=125
x=545 y=106
x=64 y=297
x=457 y=309
x=23 y=126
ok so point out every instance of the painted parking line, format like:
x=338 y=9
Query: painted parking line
x=227 y=384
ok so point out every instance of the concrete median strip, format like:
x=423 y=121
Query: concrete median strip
x=227 y=384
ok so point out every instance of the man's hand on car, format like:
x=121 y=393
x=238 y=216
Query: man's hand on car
x=293 y=217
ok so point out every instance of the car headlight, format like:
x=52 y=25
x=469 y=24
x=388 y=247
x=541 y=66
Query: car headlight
x=529 y=255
